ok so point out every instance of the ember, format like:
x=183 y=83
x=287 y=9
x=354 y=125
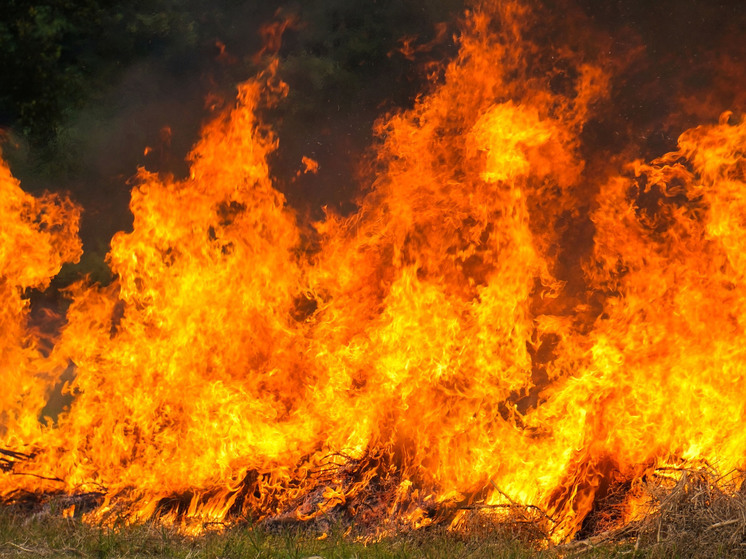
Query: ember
x=510 y=325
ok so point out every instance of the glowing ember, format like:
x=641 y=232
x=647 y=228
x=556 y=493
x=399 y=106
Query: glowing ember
x=439 y=347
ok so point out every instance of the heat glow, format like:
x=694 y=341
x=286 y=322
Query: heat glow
x=451 y=342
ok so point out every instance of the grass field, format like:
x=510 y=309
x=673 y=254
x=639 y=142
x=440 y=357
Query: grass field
x=52 y=536
x=49 y=535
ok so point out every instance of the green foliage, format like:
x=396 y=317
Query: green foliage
x=47 y=534
x=349 y=50
x=87 y=84
x=55 y=55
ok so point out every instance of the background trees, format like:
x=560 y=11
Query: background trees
x=87 y=85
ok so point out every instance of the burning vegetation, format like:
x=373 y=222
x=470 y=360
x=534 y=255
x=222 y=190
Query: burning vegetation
x=522 y=322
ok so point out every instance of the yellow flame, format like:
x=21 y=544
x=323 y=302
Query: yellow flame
x=431 y=349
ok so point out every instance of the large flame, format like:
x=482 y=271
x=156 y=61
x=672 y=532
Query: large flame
x=453 y=341
x=38 y=235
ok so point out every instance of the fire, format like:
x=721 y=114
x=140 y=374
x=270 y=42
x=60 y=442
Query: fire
x=452 y=342
x=37 y=237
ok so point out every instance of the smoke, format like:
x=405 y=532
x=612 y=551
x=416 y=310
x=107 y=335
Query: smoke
x=339 y=58
x=348 y=64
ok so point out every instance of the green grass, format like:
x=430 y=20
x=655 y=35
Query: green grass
x=698 y=518
x=49 y=535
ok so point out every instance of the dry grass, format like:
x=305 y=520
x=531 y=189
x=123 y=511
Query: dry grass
x=682 y=513
x=702 y=515
x=685 y=513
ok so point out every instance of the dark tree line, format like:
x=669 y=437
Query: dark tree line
x=86 y=85
x=57 y=56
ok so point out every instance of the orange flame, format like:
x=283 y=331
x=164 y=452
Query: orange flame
x=38 y=235
x=442 y=344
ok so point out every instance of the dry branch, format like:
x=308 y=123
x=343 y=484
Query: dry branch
x=8 y=458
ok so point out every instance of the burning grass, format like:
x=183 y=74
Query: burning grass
x=702 y=514
x=451 y=352
x=680 y=513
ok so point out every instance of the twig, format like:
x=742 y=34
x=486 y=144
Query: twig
x=485 y=506
x=37 y=476
x=6 y=464
x=16 y=455
x=724 y=523
x=26 y=549
x=520 y=506
x=593 y=541
x=660 y=524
